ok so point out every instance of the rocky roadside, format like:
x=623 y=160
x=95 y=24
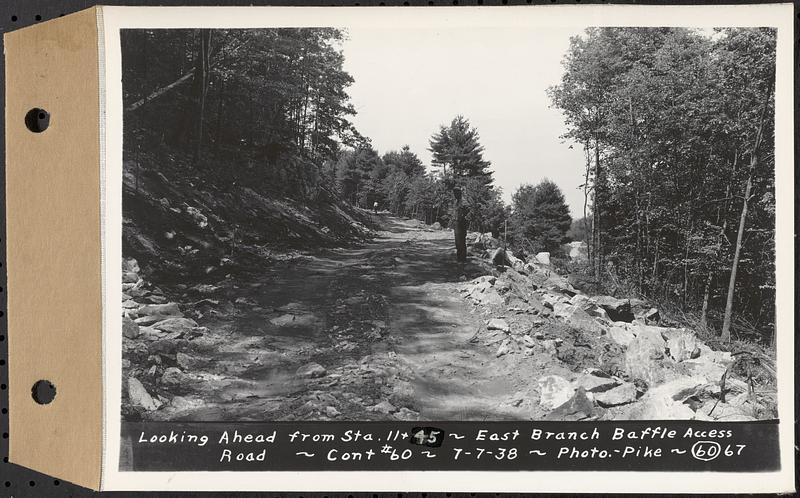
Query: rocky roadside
x=200 y=361
x=310 y=338
x=614 y=359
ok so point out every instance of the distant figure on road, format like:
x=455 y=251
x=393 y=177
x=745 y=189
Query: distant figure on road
x=460 y=229
x=375 y=207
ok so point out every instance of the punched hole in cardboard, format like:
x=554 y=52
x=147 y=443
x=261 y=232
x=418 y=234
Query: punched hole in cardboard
x=37 y=120
x=43 y=392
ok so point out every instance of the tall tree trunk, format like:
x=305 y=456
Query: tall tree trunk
x=205 y=46
x=598 y=249
x=220 y=108
x=586 y=202
x=460 y=230
x=721 y=213
x=726 y=322
x=686 y=265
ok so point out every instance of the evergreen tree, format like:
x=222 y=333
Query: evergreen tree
x=405 y=161
x=458 y=153
x=540 y=217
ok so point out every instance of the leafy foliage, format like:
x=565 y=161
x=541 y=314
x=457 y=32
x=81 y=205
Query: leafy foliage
x=671 y=116
x=540 y=218
x=265 y=106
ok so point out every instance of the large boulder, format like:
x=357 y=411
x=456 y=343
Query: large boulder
x=709 y=364
x=581 y=320
x=498 y=324
x=620 y=333
x=651 y=316
x=130 y=265
x=383 y=407
x=666 y=402
x=557 y=283
x=311 y=371
x=650 y=333
x=619 y=310
x=681 y=344
x=129 y=277
x=130 y=329
x=180 y=325
x=620 y=395
x=163 y=346
x=152 y=313
x=514 y=261
x=139 y=396
x=173 y=376
x=643 y=360
x=294 y=320
x=504 y=349
x=543 y=258
x=578 y=407
x=595 y=383
x=482 y=291
x=406 y=414
x=554 y=391
x=186 y=361
x=499 y=257
x=589 y=305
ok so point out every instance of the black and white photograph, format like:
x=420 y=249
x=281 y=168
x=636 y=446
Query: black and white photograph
x=448 y=224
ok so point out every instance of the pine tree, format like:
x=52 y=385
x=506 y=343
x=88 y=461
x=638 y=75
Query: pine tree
x=458 y=153
x=405 y=160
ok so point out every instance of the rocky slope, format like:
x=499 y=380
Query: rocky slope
x=623 y=364
x=178 y=225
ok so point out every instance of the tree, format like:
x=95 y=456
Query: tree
x=405 y=161
x=668 y=118
x=356 y=175
x=580 y=229
x=539 y=218
x=280 y=98
x=754 y=152
x=458 y=153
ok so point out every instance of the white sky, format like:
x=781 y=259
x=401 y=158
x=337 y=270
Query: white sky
x=410 y=81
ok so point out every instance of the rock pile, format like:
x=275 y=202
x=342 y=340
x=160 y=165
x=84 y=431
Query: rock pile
x=622 y=364
x=154 y=331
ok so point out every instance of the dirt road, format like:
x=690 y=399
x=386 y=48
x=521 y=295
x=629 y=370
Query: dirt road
x=374 y=332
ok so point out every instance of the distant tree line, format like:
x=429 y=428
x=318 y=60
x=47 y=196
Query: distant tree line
x=678 y=130
x=399 y=182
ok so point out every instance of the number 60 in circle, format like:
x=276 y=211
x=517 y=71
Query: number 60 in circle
x=706 y=450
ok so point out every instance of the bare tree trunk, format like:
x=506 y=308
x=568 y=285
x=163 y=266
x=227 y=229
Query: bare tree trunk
x=596 y=214
x=726 y=322
x=160 y=91
x=686 y=264
x=586 y=202
x=205 y=46
x=724 y=215
x=220 y=114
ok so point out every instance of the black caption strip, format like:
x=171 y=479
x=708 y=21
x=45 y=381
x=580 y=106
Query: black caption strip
x=633 y=446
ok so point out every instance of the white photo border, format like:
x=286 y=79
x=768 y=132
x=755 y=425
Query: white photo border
x=112 y=19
